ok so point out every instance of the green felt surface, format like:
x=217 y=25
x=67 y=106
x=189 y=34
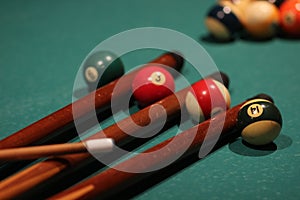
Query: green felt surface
x=42 y=44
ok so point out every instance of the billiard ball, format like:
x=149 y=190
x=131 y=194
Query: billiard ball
x=290 y=17
x=102 y=67
x=260 y=122
x=222 y=23
x=261 y=19
x=206 y=98
x=152 y=83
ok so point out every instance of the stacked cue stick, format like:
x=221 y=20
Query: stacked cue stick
x=27 y=179
x=40 y=172
x=46 y=125
x=111 y=181
x=64 y=117
x=61 y=122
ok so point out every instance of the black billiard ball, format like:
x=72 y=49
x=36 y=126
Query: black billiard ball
x=260 y=122
x=222 y=22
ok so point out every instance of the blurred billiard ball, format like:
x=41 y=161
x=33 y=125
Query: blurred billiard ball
x=222 y=22
x=260 y=122
x=290 y=17
x=102 y=67
x=261 y=19
x=152 y=83
x=207 y=98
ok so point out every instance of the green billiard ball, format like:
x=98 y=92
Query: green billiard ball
x=102 y=67
x=260 y=122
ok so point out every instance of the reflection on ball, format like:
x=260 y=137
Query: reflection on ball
x=152 y=84
x=207 y=98
x=260 y=122
x=102 y=67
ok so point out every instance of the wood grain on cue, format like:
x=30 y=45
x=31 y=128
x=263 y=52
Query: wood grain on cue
x=23 y=181
x=32 y=176
x=112 y=180
x=64 y=116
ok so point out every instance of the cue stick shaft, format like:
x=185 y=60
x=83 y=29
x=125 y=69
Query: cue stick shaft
x=35 y=152
x=64 y=116
x=111 y=180
x=32 y=176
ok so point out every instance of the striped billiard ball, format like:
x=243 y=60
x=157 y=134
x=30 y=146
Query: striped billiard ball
x=102 y=67
x=260 y=122
x=223 y=22
x=207 y=98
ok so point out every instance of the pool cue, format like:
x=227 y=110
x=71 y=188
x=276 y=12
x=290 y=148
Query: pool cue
x=64 y=116
x=35 y=152
x=112 y=180
x=103 y=185
x=30 y=177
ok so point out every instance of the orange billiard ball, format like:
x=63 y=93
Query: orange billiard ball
x=261 y=19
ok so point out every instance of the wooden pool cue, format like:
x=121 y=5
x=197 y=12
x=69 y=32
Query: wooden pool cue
x=35 y=152
x=112 y=180
x=64 y=116
x=30 y=177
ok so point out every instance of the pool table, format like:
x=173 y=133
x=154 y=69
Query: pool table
x=42 y=46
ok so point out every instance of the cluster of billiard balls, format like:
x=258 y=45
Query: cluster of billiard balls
x=259 y=120
x=257 y=19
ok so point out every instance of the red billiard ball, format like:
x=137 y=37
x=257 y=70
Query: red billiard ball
x=151 y=84
x=206 y=98
x=290 y=17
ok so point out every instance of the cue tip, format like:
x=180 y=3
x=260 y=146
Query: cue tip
x=100 y=145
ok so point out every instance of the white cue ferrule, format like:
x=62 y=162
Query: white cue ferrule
x=100 y=145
